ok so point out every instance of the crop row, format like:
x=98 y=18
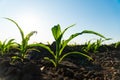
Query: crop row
x=60 y=44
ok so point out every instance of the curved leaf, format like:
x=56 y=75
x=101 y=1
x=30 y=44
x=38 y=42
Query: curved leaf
x=10 y=42
x=65 y=31
x=93 y=32
x=21 y=31
x=58 y=40
x=65 y=42
x=56 y=31
x=69 y=53
x=29 y=35
x=51 y=60
x=43 y=46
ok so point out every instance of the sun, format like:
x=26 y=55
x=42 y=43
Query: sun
x=28 y=21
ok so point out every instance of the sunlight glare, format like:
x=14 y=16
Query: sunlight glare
x=28 y=21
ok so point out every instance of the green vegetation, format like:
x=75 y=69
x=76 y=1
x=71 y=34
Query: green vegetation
x=23 y=47
x=5 y=46
x=117 y=44
x=43 y=61
x=61 y=44
x=58 y=55
x=94 y=46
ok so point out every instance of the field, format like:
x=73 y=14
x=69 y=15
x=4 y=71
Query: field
x=59 y=61
x=104 y=66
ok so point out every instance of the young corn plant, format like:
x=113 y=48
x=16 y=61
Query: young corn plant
x=93 y=47
x=5 y=46
x=58 y=55
x=117 y=44
x=23 y=47
x=87 y=46
x=98 y=43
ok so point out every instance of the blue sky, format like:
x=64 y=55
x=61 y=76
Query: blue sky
x=102 y=16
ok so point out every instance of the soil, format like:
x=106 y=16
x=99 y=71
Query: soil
x=104 y=66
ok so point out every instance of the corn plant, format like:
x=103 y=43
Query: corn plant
x=5 y=46
x=58 y=55
x=24 y=43
x=97 y=44
x=87 y=46
x=94 y=46
x=117 y=44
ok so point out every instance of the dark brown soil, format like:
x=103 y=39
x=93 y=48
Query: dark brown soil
x=105 y=66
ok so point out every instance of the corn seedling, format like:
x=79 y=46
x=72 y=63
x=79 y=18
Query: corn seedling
x=87 y=46
x=98 y=43
x=58 y=55
x=24 y=43
x=117 y=44
x=5 y=46
x=94 y=46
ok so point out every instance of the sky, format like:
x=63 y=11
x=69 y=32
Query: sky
x=102 y=16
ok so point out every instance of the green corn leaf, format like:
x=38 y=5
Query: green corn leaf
x=79 y=53
x=51 y=60
x=58 y=41
x=29 y=35
x=92 y=32
x=0 y=43
x=4 y=43
x=66 y=30
x=24 y=42
x=26 y=39
x=62 y=33
x=117 y=44
x=65 y=42
x=76 y=34
x=32 y=49
x=21 y=31
x=56 y=31
x=43 y=46
x=10 y=42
